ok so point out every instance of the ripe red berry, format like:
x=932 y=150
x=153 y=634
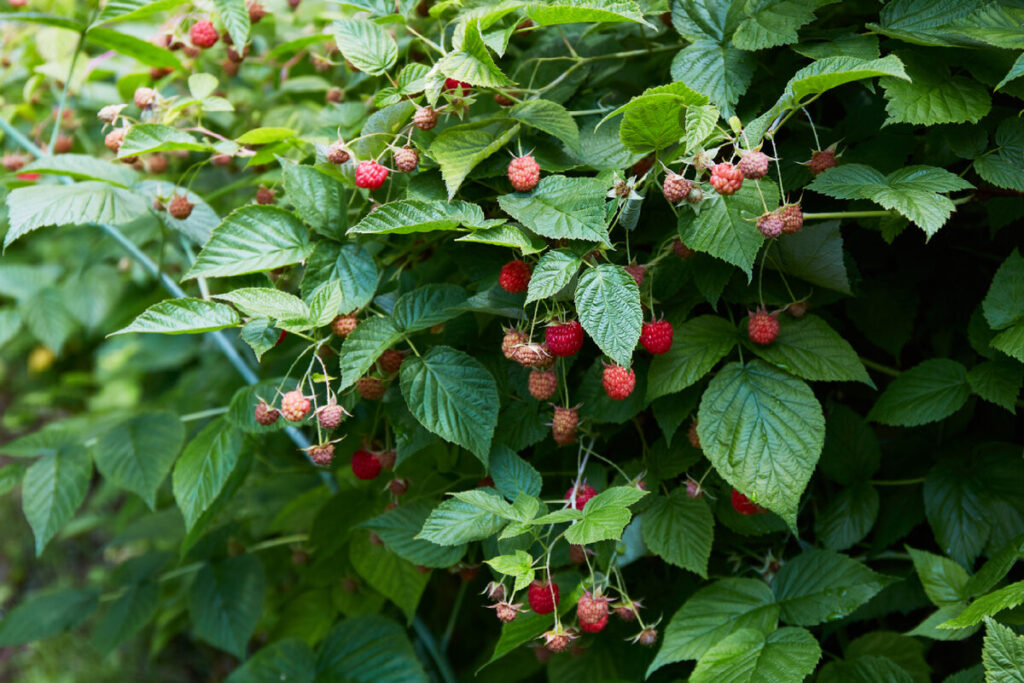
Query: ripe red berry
x=726 y=178
x=595 y=627
x=656 y=336
x=792 y=218
x=564 y=339
x=203 y=34
x=563 y=426
x=743 y=505
x=294 y=406
x=515 y=277
x=390 y=361
x=370 y=174
x=770 y=225
x=584 y=492
x=453 y=84
x=636 y=272
x=406 y=160
x=370 y=388
x=179 y=207
x=681 y=250
x=322 y=455
x=365 y=465
x=337 y=154
x=822 y=160
x=425 y=118
x=543 y=597
x=754 y=165
x=762 y=326
x=676 y=188
x=543 y=384
x=618 y=382
x=524 y=172
x=592 y=608
x=330 y=416
x=343 y=325
x=512 y=340
x=265 y=415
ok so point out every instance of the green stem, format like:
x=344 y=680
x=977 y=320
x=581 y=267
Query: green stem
x=897 y=482
x=64 y=93
x=274 y=542
x=846 y=214
x=446 y=637
x=189 y=417
x=444 y=667
x=885 y=369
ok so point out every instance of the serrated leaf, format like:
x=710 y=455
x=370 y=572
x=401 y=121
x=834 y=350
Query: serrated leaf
x=697 y=346
x=137 y=454
x=47 y=318
x=225 y=602
x=810 y=349
x=1010 y=341
x=506 y=236
x=126 y=44
x=550 y=117
x=183 y=316
x=319 y=199
x=748 y=655
x=605 y=516
x=1002 y=654
x=363 y=347
x=518 y=565
x=288 y=310
x=928 y=392
x=289 y=659
x=261 y=335
x=250 y=240
x=820 y=585
x=46 y=615
x=815 y=256
x=775 y=22
x=38 y=206
x=989 y=605
x=126 y=615
x=997 y=381
x=234 y=15
x=387 y=573
x=584 y=11
x=944 y=581
x=457 y=150
x=657 y=118
x=608 y=305
x=933 y=95
x=369 y=648
x=366 y=44
x=954 y=503
x=123 y=10
x=1001 y=172
x=471 y=62
x=700 y=123
x=561 y=208
x=204 y=468
x=149 y=138
x=416 y=215
x=512 y=475
x=715 y=69
x=53 y=488
x=84 y=167
x=552 y=273
x=455 y=522
x=848 y=517
x=427 y=306
x=398 y=528
x=725 y=228
x=680 y=530
x=351 y=266
x=1003 y=305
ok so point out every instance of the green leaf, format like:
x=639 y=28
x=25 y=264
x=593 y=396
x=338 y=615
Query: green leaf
x=584 y=11
x=820 y=585
x=697 y=346
x=252 y=239
x=204 y=468
x=1004 y=303
x=552 y=273
x=53 y=488
x=763 y=431
x=848 y=517
x=869 y=669
x=472 y=63
x=366 y=44
x=550 y=117
x=725 y=227
x=261 y=335
x=775 y=22
x=561 y=208
x=929 y=628
x=149 y=138
x=454 y=396
x=1015 y=72
x=388 y=574
x=700 y=123
x=351 y=266
x=1001 y=172
x=137 y=454
x=416 y=215
x=288 y=310
x=1010 y=341
x=38 y=206
x=954 y=501
x=369 y=648
x=84 y=167
x=905 y=651
x=324 y=303
x=996 y=569
x=810 y=349
x=10 y=477
x=713 y=613
x=183 y=316
x=933 y=95
x=457 y=150
x=263 y=136
x=989 y=605
x=943 y=579
x=815 y=256
x=1002 y=654
x=747 y=655
x=319 y=199
x=289 y=659
x=604 y=516
x=680 y=529
x=10 y=325
x=715 y=69
x=225 y=602
x=234 y=15
x=518 y=566
x=506 y=235
x=46 y=615
x=928 y=392
x=363 y=347
x=47 y=318
x=851 y=453
x=656 y=119
x=455 y=522
x=126 y=615
x=997 y=381
x=608 y=304
x=398 y=528
x=123 y=10
x=130 y=46
x=512 y=475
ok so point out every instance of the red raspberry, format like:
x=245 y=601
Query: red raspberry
x=618 y=382
x=543 y=597
x=512 y=340
x=515 y=277
x=743 y=505
x=726 y=178
x=370 y=174
x=265 y=415
x=365 y=465
x=179 y=207
x=406 y=160
x=503 y=101
x=337 y=154
x=681 y=250
x=330 y=415
x=676 y=188
x=256 y=12
x=453 y=84
x=584 y=492
x=343 y=325
x=822 y=160
x=693 y=436
x=595 y=627
x=798 y=310
x=636 y=272
x=592 y=608
x=770 y=225
x=656 y=336
x=203 y=34
x=523 y=173
x=533 y=356
x=564 y=339
x=425 y=118
x=577 y=554
x=390 y=361
x=370 y=388
x=754 y=165
x=792 y=218
x=264 y=195
x=762 y=326
x=641 y=167
x=387 y=459
x=322 y=455
x=506 y=611
x=563 y=426
x=294 y=406
x=113 y=139
x=543 y=384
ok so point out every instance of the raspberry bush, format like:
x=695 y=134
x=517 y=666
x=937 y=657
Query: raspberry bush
x=686 y=336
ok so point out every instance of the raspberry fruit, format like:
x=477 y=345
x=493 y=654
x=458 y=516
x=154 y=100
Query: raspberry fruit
x=13 y=162
x=792 y=218
x=144 y=97
x=330 y=415
x=692 y=435
x=406 y=160
x=577 y=554
x=337 y=154
x=676 y=188
x=533 y=356
x=343 y=325
x=512 y=340
x=114 y=138
x=523 y=173
x=641 y=167
x=754 y=165
x=648 y=637
x=322 y=455
x=294 y=406
x=636 y=272
x=798 y=310
x=543 y=384
x=425 y=118
x=558 y=640
x=595 y=627
x=762 y=326
x=63 y=144
x=592 y=608
x=387 y=459
x=390 y=361
x=179 y=207
x=506 y=611
x=543 y=597
x=398 y=487
x=656 y=336
x=822 y=160
x=334 y=95
x=693 y=489
x=563 y=426
x=681 y=250
x=256 y=12
x=515 y=277
x=264 y=195
x=503 y=101
x=564 y=339
x=157 y=164
x=365 y=465
x=453 y=84
x=203 y=34
x=770 y=225
x=584 y=492
x=726 y=178
x=627 y=611
x=618 y=382
x=370 y=174
x=265 y=415
x=370 y=388
x=696 y=195
x=743 y=505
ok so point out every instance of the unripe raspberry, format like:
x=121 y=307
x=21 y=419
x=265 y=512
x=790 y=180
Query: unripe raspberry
x=387 y=458
x=542 y=596
x=157 y=164
x=503 y=101
x=618 y=382
x=365 y=465
x=322 y=455
x=179 y=207
x=221 y=159
x=533 y=355
x=334 y=95
x=144 y=97
x=584 y=492
x=265 y=415
x=114 y=138
x=681 y=250
x=370 y=388
x=256 y=12
x=512 y=340
x=13 y=162
x=564 y=339
x=696 y=195
x=692 y=435
x=577 y=554
x=514 y=277
x=636 y=272
x=390 y=361
x=595 y=627
x=294 y=406
x=425 y=118
x=63 y=144
x=754 y=165
x=398 y=487
x=494 y=591
x=264 y=195
x=676 y=188
x=203 y=34
x=627 y=611
x=798 y=309
x=337 y=154
x=506 y=612
x=558 y=640
x=822 y=160
x=563 y=426
x=343 y=325
x=762 y=326
x=331 y=415
x=592 y=608
x=523 y=173
x=657 y=336
x=770 y=225
x=744 y=505
x=406 y=160
x=543 y=384
x=792 y=218
x=641 y=167
x=370 y=174
x=647 y=637
x=694 y=489
x=726 y=178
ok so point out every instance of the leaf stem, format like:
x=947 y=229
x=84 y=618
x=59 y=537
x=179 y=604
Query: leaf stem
x=896 y=482
x=189 y=417
x=884 y=369
x=444 y=667
x=449 y=628
x=846 y=214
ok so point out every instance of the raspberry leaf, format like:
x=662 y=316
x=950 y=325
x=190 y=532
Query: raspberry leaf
x=724 y=226
x=203 y=469
x=369 y=648
x=715 y=69
x=46 y=615
x=851 y=452
x=457 y=150
x=148 y=138
x=697 y=346
x=561 y=208
x=366 y=44
x=363 y=347
x=512 y=474
x=848 y=517
x=53 y=488
x=413 y=215
x=815 y=256
x=319 y=199
x=997 y=381
x=225 y=602
x=987 y=606
x=252 y=239
x=398 y=528
x=944 y=580
x=575 y=11
x=929 y=392
x=748 y=655
x=427 y=306
x=775 y=22
x=604 y=516
x=290 y=312
x=351 y=266
x=91 y=201
x=518 y=565
x=1004 y=303
x=934 y=95
x=820 y=585
x=1003 y=652
x=288 y=659
x=680 y=529
x=506 y=236
x=455 y=522
x=549 y=117
x=85 y=167
x=810 y=349
x=471 y=62
x=137 y=454
x=608 y=303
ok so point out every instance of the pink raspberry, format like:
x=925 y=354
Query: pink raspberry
x=370 y=174
x=523 y=173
